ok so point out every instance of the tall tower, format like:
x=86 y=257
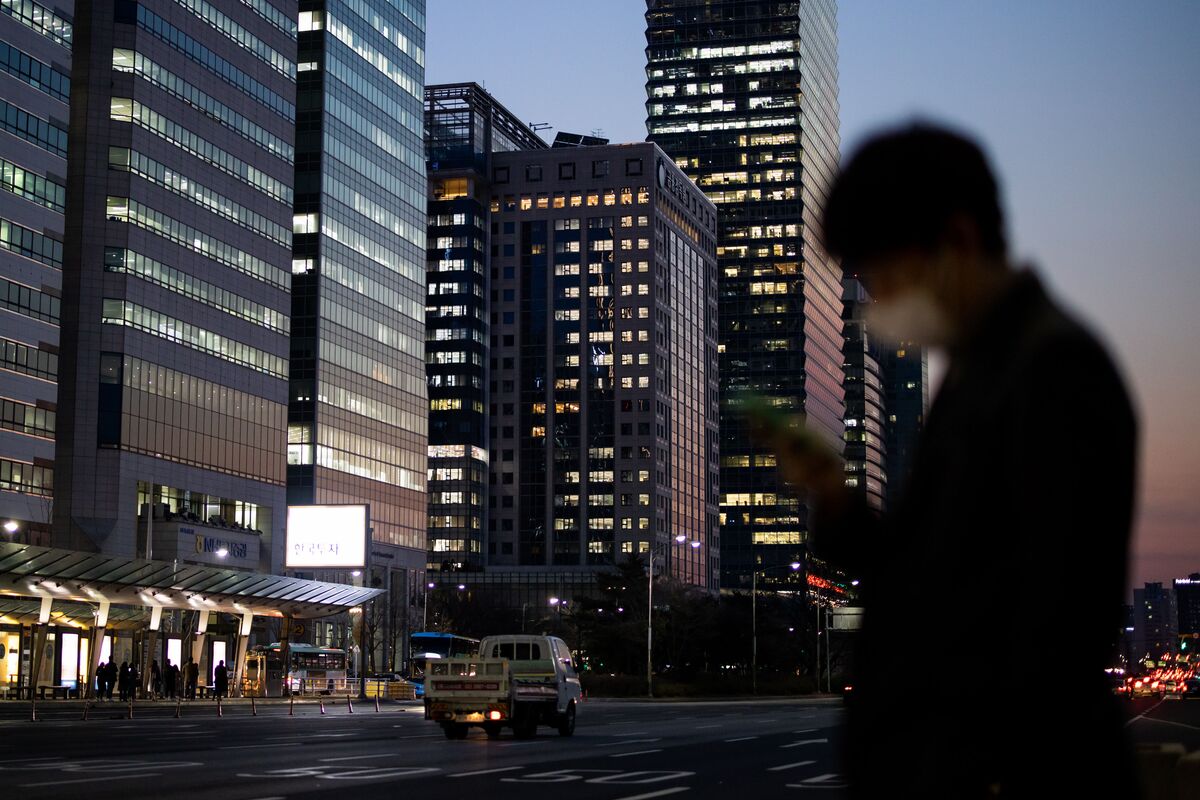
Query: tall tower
x=175 y=270
x=743 y=95
x=35 y=87
x=465 y=126
x=357 y=407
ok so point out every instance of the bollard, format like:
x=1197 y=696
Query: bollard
x=178 y=706
x=253 y=707
x=348 y=704
x=291 y=704
x=86 y=705
x=130 y=716
x=322 y=701
x=219 y=712
x=376 y=702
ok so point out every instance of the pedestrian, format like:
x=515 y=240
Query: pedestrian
x=170 y=675
x=1023 y=478
x=133 y=680
x=110 y=678
x=192 y=673
x=155 y=679
x=123 y=680
x=99 y=679
x=221 y=680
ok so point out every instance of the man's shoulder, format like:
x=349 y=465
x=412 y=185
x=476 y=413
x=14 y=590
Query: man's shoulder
x=1058 y=355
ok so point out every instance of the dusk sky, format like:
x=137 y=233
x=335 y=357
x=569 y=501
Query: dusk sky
x=1090 y=110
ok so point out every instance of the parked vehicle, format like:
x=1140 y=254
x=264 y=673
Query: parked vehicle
x=517 y=681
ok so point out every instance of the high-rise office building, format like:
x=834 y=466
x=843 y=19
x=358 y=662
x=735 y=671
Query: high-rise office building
x=1187 y=603
x=357 y=407
x=603 y=389
x=465 y=126
x=743 y=96
x=864 y=450
x=905 y=373
x=35 y=88
x=176 y=278
x=1155 y=622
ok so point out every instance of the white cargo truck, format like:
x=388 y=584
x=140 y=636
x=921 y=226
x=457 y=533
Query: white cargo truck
x=516 y=681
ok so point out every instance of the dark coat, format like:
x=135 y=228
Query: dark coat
x=993 y=591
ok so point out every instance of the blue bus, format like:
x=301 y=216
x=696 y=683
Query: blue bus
x=427 y=645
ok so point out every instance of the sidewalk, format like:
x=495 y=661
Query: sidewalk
x=63 y=710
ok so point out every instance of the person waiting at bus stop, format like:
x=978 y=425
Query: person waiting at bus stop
x=221 y=680
x=1023 y=477
x=191 y=672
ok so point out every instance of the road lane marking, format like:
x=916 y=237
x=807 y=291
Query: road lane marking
x=482 y=772
x=742 y=739
x=793 y=765
x=1168 y=722
x=805 y=741
x=523 y=744
x=826 y=781
x=624 y=742
x=635 y=753
x=806 y=730
x=1144 y=713
x=357 y=758
x=703 y=727
x=630 y=733
x=659 y=793
x=252 y=746
x=91 y=780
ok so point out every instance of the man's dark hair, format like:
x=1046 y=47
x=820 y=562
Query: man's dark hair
x=903 y=187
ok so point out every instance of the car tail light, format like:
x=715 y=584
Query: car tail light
x=494 y=715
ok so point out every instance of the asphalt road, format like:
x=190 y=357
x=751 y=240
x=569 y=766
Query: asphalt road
x=1165 y=721
x=621 y=749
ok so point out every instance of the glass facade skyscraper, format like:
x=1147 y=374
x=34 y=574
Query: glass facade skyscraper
x=357 y=407
x=464 y=126
x=743 y=96
x=35 y=87
x=175 y=302
x=866 y=473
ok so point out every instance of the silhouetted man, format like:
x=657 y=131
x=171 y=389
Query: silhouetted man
x=992 y=587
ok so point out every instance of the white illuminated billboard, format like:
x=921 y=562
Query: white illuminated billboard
x=326 y=537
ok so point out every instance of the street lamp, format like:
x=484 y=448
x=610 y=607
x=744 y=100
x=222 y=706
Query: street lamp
x=425 y=605
x=11 y=526
x=679 y=539
x=795 y=565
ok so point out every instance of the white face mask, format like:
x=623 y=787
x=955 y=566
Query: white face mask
x=912 y=316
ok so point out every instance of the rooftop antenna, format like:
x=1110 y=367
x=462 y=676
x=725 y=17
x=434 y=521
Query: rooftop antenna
x=598 y=133
x=539 y=126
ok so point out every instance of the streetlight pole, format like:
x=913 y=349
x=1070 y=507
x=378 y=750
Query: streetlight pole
x=650 y=629
x=680 y=539
x=795 y=565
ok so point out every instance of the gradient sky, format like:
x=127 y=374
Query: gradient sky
x=1090 y=110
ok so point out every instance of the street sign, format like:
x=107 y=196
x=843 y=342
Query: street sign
x=847 y=618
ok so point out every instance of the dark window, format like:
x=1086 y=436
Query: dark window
x=500 y=175
x=566 y=172
x=600 y=168
x=633 y=166
x=533 y=172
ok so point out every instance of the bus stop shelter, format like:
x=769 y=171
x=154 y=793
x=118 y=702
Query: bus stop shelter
x=91 y=592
